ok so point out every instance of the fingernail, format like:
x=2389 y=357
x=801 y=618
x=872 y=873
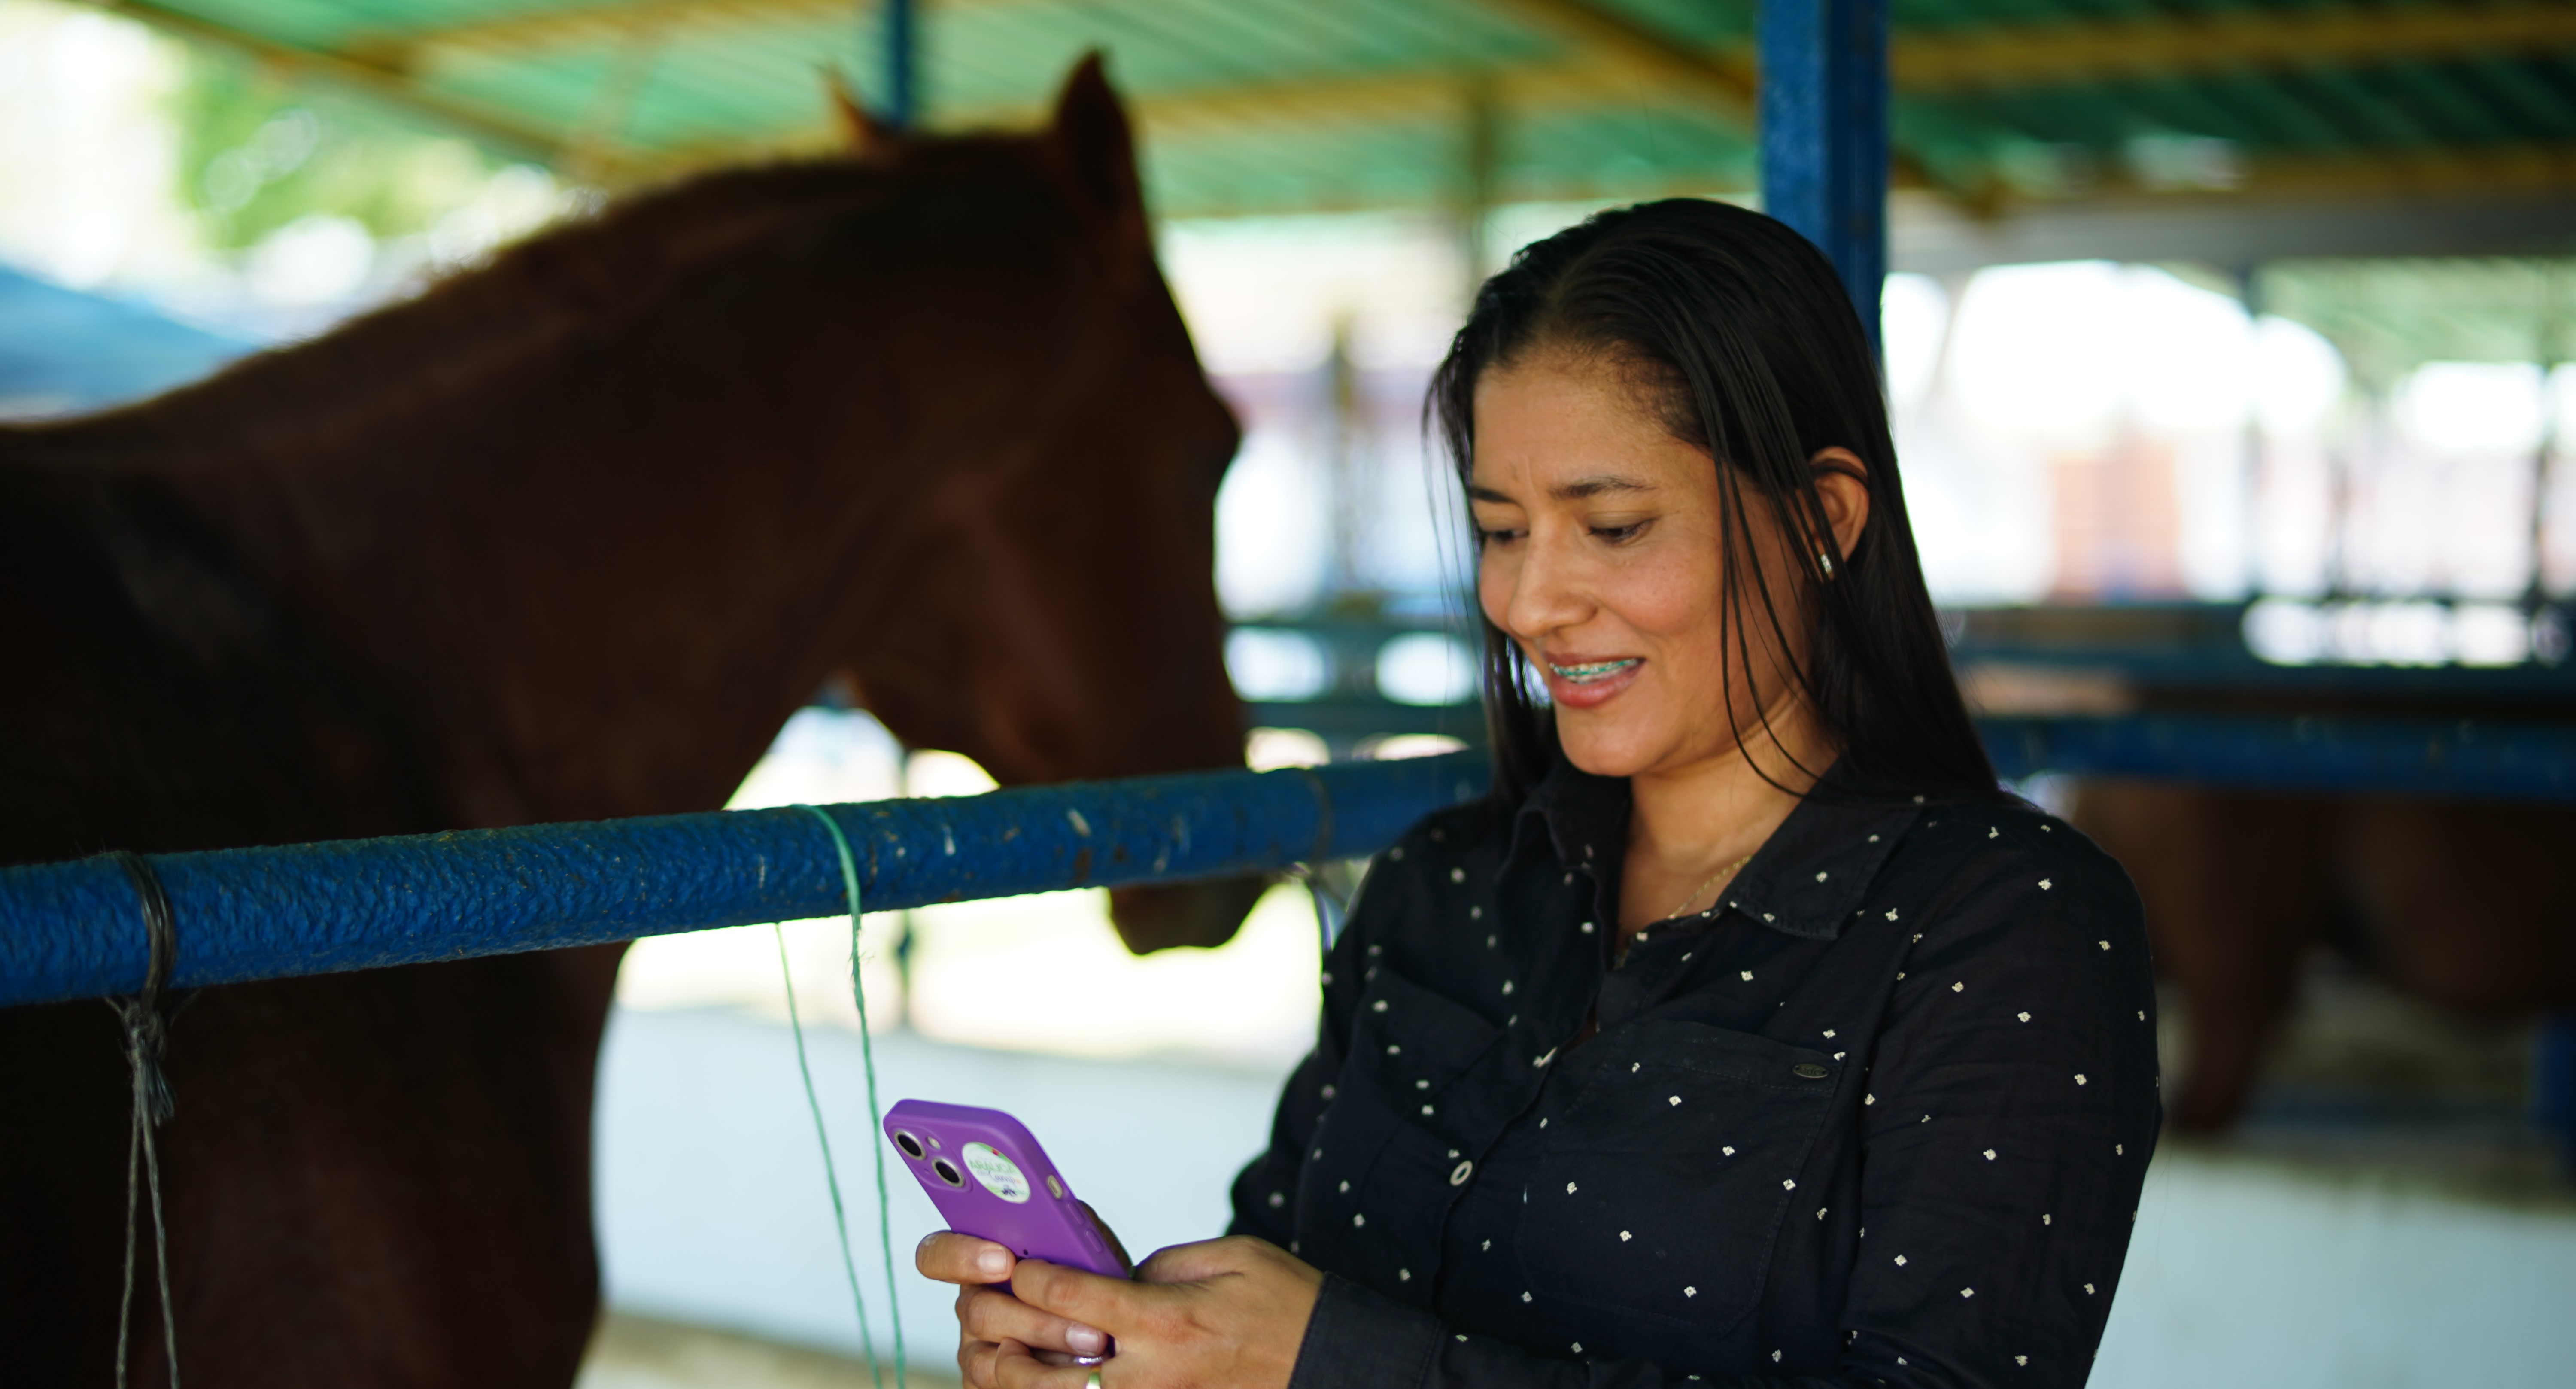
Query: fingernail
x=993 y=1263
x=1085 y=1341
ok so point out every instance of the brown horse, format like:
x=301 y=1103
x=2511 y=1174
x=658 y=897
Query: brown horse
x=2455 y=902
x=567 y=537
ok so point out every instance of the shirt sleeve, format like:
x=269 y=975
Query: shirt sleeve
x=2009 y=1113
x=1265 y=1192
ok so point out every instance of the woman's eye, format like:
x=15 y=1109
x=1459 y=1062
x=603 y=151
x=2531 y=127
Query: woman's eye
x=1618 y=534
x=1492 y=535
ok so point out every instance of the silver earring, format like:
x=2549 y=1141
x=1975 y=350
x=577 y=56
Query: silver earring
x=1826 y=558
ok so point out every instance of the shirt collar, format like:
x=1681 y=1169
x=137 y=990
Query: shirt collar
x=1585 y=817
x=1806 y=880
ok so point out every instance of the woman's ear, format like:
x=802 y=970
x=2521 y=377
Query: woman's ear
x=1842 y=484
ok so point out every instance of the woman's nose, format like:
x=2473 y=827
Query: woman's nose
x=1547 y=595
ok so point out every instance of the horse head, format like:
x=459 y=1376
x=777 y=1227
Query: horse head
x=1065 y=624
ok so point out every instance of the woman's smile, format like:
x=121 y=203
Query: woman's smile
x=1582 y=684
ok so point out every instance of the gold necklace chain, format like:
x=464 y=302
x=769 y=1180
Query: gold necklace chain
x=1709 y=882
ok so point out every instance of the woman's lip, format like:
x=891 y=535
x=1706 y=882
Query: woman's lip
x=1589 y=694
x=1581 y=671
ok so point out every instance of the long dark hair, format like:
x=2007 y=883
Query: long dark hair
x=1748 y=343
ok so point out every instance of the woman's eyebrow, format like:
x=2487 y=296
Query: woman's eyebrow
x=1597 y=486
x=1602 y=485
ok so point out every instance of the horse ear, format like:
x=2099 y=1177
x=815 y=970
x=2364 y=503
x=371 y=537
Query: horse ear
x=860 y=129
x=1091 y=129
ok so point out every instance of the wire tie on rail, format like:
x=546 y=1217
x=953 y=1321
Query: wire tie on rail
x=145 y=1016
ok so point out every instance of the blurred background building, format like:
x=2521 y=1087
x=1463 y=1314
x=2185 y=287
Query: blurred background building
x=2241 y=331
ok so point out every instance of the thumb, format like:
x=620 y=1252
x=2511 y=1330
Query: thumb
x=1192 y=1263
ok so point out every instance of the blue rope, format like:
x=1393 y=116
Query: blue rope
x=876 y=1119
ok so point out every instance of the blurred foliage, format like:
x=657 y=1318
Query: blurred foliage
x=258 y=154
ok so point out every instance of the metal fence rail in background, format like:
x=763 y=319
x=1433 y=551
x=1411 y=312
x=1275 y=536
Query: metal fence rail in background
x=74 y=930
x=2351 y=753
x=2484 y=759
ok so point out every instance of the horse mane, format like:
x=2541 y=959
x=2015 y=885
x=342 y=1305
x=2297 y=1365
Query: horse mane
x=526 y=301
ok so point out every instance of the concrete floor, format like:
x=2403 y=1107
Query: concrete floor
x=636 y=1352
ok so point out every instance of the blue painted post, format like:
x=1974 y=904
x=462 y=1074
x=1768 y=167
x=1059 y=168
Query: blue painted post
x=2553 y=1083
x=1824 y=134
x=902 y=48
x=73 y=930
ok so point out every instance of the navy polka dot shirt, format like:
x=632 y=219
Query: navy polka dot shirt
x=1878 y=1117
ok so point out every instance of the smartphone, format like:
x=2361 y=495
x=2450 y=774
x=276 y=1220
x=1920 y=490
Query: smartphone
x=989 y=1178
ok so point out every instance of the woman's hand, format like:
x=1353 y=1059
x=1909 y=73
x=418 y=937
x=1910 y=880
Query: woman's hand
x=987 y=1313
x=1228 y=1311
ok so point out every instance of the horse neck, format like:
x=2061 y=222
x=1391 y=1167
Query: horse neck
x=595 y=583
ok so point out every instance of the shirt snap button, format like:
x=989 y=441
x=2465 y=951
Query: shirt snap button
x=1808 y=1070
x=1458 y=1175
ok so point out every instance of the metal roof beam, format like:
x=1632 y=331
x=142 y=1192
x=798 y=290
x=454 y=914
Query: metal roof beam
x=1294 y=104
x=2449 y=200
x=368 y=79
x=1724 y=76
x=511 y=34
x=2337 y=213
x=2441 y=170
x=1338 y=101
x=2057 y=54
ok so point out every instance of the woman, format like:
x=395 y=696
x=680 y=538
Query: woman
x=1747 y=1033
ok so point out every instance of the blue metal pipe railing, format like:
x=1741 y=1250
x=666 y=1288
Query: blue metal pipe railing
x=74 y=930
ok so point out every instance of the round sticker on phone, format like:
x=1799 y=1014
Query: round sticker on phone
x=999 y=1174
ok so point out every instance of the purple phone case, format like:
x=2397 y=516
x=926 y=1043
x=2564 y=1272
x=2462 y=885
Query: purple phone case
x=1005 y=1189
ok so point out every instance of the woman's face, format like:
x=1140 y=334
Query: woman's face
x=1602 y=556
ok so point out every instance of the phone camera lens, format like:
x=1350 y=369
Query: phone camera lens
x=947 y=1173
x=911 y=1146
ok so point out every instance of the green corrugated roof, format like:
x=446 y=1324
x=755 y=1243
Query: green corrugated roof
x=1285 y=105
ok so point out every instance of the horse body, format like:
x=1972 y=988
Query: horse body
x=568 y=538
x=2453 y=902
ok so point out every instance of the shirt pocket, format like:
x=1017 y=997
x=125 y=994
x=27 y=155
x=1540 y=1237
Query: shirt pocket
x=1410 y=1042
x=1389 y=1137
x=1662 y=1187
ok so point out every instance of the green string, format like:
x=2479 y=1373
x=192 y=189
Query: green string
x=876 y=1118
